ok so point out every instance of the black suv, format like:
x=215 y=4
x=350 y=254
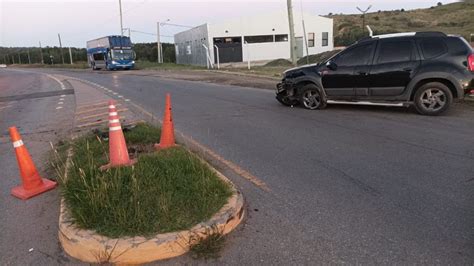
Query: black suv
x=424 y=69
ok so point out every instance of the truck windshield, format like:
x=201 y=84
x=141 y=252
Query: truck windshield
x=122 y=55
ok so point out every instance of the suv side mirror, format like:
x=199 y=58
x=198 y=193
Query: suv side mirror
x=331 y=65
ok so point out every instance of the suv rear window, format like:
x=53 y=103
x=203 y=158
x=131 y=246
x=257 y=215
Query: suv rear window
x=432 y=47
x=395 y=51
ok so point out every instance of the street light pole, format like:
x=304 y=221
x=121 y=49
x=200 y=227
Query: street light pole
x=61 y=48
x=158 y=42
x=70 y=55
x=363 y=15
x=292 y=32
x=29 y=58
x=41 y=54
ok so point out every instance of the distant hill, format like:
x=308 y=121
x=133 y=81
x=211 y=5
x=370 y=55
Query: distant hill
x=455 y=18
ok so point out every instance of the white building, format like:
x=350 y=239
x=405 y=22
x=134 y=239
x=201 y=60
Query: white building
x=264 y=37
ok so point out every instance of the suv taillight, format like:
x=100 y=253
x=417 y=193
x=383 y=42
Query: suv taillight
x=470 y=62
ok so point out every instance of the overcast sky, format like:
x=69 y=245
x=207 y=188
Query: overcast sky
x=25 y=23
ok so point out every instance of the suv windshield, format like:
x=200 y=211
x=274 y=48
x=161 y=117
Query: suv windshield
x=122 y=54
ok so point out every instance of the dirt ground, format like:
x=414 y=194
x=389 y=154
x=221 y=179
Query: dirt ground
x=218 y=77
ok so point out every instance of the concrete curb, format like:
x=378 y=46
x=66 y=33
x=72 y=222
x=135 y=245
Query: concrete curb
x=88 y=246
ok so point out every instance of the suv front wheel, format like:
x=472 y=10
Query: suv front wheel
x=433 y=98
x=312 y=98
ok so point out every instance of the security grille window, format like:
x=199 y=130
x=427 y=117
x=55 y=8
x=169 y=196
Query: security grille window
x=325 y=39
x=188 y=49
x=226 y=40
x=281 y=38
x=258 y=39
x=311 y=39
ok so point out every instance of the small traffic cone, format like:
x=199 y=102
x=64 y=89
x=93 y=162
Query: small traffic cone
x=117 y=146
x=32 y=183
x=167 y=128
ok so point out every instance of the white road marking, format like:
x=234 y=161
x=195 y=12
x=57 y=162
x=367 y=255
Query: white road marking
x=59 y=107
x=60 y=103
x=58 y=81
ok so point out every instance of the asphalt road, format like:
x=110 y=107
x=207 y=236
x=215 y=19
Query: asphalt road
x=28 y=229
x=358 y=185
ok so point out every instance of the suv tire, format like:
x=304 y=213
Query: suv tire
x=433 y=98
x=312 y=97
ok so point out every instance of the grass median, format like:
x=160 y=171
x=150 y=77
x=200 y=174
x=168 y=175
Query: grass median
x=165 y=191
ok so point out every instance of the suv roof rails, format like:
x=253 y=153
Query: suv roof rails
x=404 y=34
x=430 y=34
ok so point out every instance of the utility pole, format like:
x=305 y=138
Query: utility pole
x=158 y=43
x=61 y=48
x=41 y=54
x=70 y=55
x=304 y=33
x=292 y=32
x=13 y=59
x=19 y=58
x=363 y=15
x=29 y=58
x=121 y=23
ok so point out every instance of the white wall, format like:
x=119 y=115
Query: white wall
x=317 y=25
x=267 y=24
x=266 y=51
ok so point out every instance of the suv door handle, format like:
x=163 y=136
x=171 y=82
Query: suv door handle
x=408 y=69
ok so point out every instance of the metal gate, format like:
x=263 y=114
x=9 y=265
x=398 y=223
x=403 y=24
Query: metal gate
x=230 y=49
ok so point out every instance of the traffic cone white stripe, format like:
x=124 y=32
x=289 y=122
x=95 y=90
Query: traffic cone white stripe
x=18 y=143
x=113 y=113
x=115 y=128
x=114 y=121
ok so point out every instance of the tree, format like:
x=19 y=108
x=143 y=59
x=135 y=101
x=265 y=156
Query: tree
x=439 y=4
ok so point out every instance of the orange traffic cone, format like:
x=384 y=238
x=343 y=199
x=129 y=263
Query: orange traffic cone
x=32 y=183
x=117 y=146
x=167 y=129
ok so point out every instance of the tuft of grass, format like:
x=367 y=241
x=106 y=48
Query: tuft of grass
x=165 y=66
x=208 y=246
x=164 y=191
x=143 y=134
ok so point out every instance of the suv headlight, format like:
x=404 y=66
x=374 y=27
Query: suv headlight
x=114 y=62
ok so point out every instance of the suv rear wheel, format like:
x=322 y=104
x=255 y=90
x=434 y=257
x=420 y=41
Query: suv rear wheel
x=312 y=98
x=433 y=98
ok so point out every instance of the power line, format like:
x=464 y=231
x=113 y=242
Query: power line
x=176 y=25
x=152 y=34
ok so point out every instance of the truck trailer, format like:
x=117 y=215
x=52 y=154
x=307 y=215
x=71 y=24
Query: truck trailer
x=111 y=53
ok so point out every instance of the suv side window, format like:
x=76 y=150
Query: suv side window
x=357 y=56
x=432 y=47
x=395 y=51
